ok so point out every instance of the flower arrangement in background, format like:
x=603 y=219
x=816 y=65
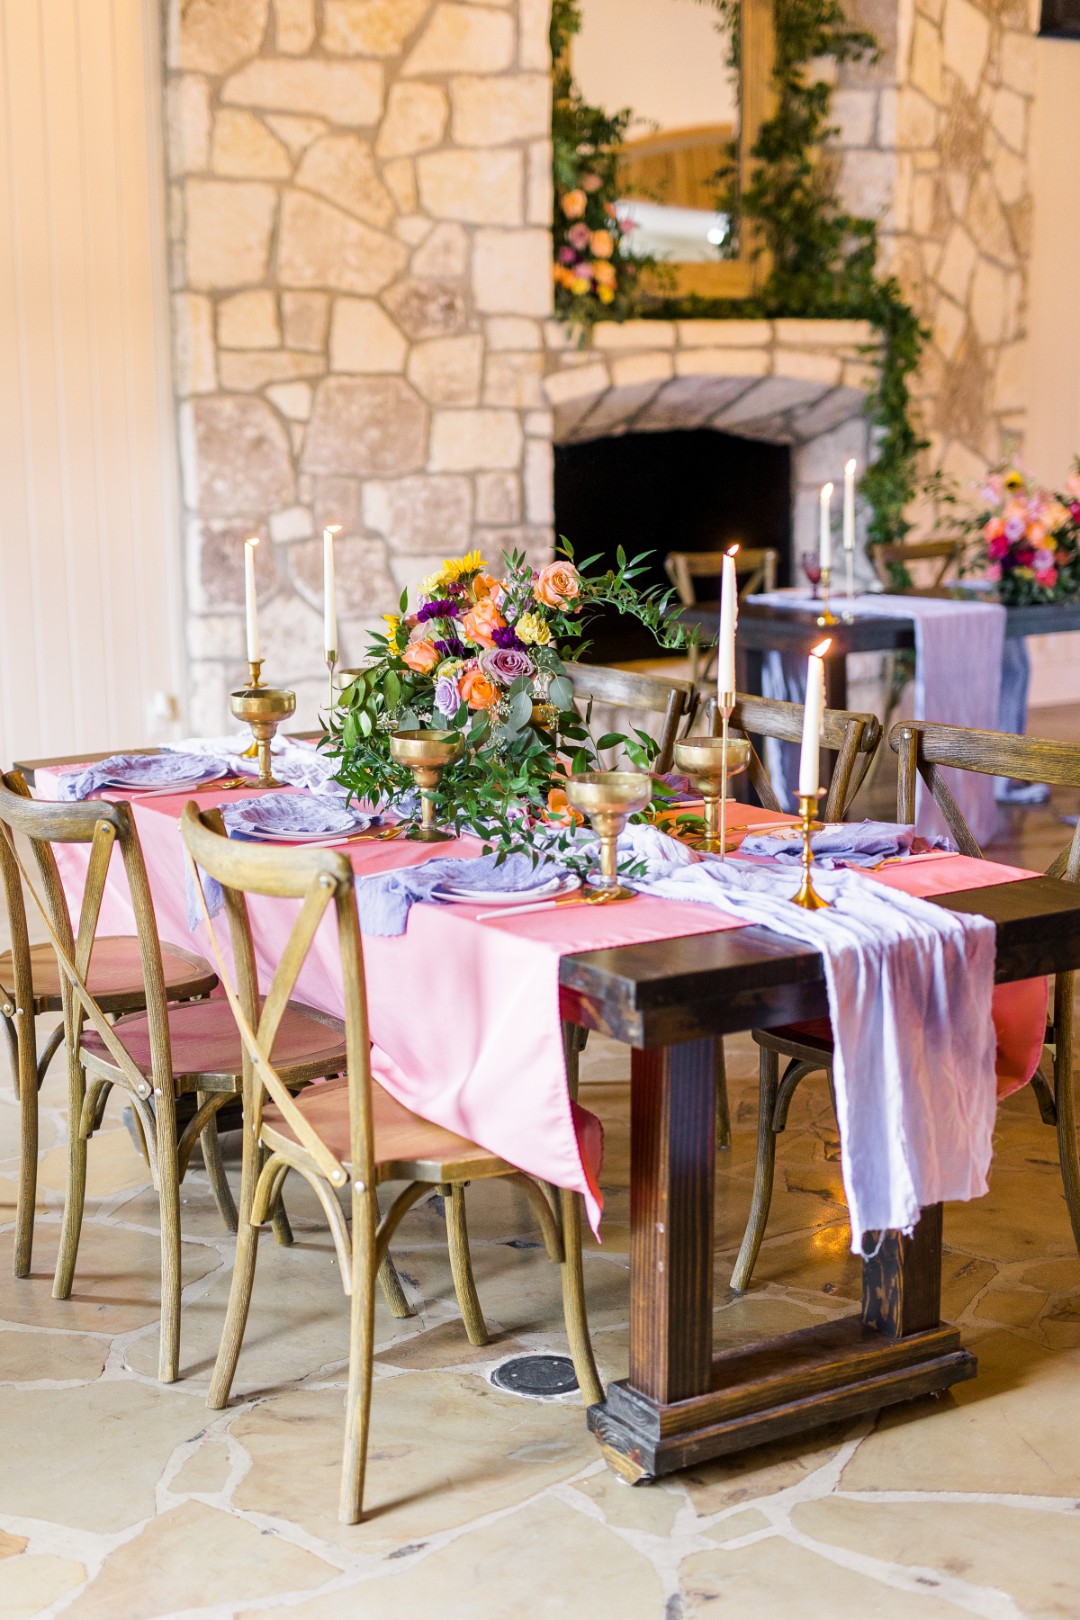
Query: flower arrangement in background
x=483 y=652
x=596 y=275
x=1028 y=536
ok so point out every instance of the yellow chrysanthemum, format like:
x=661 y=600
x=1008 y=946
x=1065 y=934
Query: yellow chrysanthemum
x=1013 y=480
x=533 y=630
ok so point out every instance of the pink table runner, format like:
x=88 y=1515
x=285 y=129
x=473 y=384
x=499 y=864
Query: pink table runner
x=464 y=1016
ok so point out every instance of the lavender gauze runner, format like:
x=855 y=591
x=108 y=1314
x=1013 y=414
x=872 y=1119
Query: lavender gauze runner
x=909 y=987
x=299 y=764
x=958 y=657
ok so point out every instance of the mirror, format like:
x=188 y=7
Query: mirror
x=667 y=60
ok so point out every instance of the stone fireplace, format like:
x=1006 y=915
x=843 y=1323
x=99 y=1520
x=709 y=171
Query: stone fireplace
x=360 y=197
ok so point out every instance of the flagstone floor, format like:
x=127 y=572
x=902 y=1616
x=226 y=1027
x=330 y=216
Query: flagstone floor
x=124 y=1500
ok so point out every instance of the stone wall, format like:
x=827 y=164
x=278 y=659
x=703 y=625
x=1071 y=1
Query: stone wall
x=935 y=141
x=360 y=200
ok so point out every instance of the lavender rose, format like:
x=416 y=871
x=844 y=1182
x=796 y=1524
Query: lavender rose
x=505 y=664
x=447 y=696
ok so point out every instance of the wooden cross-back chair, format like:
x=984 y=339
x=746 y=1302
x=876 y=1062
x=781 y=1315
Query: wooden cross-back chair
x=153 y=1054
x=852 y=736
x=755 y=570
x=947 y=553
x=644 y=696
x=31 y=986
x=350 y=1134
x=923 y=749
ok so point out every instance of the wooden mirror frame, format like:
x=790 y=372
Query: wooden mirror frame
x=738 y=277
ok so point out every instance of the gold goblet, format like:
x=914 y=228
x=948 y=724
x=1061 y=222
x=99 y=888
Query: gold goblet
x=709 y=762
x=263 y=708
x=608 y=798
x=427 y=754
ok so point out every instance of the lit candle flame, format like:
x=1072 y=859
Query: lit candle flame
x=850 y=466
x=822 y=648
x=826 y=493
x=731 y=550
x=252 y=540
x=333 y=528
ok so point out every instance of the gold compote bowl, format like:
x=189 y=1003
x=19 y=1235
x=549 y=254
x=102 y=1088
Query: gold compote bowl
x=427 y=754
x=609 y=798
x=709 y=763
x=263 y=708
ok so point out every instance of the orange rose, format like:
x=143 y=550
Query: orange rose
x=480 y=621
x=477 y=690
x=422 y=656
x=558 y=810
x=485 y=585
x=603 y=244
x=574 y=204
x=558 y=584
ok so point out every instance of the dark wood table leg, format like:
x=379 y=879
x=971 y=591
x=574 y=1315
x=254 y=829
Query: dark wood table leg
x=895 y=1349
x=673 y=1159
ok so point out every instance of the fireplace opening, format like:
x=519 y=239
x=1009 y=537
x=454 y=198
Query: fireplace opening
x=689 y=490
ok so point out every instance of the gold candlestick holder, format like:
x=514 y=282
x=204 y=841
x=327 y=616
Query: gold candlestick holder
x=427 y=754
x=263 y=708
x=848 y=614
x=331 y=664
x=808 y=896
x=709 y=762
x=609 y=798
x=826 y=616
x=254 y=681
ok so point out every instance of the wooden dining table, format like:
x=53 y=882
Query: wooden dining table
x=687 y=1398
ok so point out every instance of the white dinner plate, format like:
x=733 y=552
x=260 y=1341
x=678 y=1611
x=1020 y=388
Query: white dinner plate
x=565 y=883
x=262 y=837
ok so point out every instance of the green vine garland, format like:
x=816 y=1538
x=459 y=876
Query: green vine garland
x=823 y=260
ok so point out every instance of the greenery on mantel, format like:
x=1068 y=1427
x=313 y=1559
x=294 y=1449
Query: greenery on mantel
x=822 y=261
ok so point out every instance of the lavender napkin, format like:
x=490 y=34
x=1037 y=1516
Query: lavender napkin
x=909 y=988
x=140 y=771
x=385 y=900
x=857 y=843
x=284 y=813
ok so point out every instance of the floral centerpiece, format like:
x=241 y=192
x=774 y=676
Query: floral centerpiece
x=1028 y=538
x=483 y=653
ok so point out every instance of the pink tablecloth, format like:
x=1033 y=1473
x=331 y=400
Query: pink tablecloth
x=464 y=1016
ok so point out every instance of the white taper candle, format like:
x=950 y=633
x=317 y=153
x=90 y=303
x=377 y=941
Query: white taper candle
x=825 y=536
x=849 y=504
x=813 y=714
x=330 y=646
x=729 y=618
x=251 y=606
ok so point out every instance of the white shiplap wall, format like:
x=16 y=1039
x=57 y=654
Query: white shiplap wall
x=90 y=607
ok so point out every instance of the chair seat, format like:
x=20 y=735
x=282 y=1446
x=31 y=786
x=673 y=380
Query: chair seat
x=206 y=1043
x=814 y=1038
x=115 y=979
x=406 y=1146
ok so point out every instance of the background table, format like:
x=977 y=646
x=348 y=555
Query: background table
x=684 y=1400
x=767 y=627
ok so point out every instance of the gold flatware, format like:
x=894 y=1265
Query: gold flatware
x=580 y=897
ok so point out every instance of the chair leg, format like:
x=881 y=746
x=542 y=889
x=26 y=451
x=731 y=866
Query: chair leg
x=575 y=1314
x=723 y=1108
x=457 y=1237
x=75 y=1197
x=1065 y=1104
x=26 y=1074
x=169 y=1199
x=361 y=1348
x=210 y=1143
x=279 y=1220
x=243 y=1279
x=768 y=1084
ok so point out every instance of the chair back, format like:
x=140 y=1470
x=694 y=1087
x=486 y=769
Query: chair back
x=755 y=570
x=103 y=826
x=20 y=974
x=924 y=749
x=946 y=553
x=852 y=736
x=644 y=696
x=320 y=879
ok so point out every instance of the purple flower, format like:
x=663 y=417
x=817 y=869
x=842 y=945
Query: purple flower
x=447 y=696
x=505 y=664
x=567 y=255
x=1015 y=528
x=443 y=609
x=507 y=636
x=452 y=648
